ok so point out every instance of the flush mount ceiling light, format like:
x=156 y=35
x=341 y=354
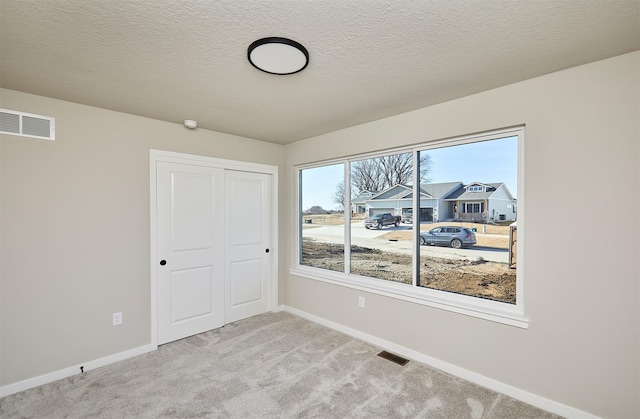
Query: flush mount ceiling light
x=278 y=55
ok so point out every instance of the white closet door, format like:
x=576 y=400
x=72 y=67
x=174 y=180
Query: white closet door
x=248 y=244
x=190 y=241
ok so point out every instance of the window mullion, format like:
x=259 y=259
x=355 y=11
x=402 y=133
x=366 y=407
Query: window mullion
x=415 y=281
x=347 y=217
x=300 y=216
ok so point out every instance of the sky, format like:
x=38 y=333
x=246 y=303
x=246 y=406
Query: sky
x=488 y=162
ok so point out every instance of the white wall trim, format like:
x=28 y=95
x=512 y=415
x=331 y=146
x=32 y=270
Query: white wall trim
x=516 y=393
x=73 y=370
x=490 y=383
x=174 y=157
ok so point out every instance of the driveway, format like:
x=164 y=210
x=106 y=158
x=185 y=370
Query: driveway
x=360 y=236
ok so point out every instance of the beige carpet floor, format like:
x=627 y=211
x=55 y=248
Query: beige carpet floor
x=271 y=366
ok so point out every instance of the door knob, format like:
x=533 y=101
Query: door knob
x=163 y=262
x=267 y=250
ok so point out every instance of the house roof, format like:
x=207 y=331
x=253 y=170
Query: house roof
x=427 y=190
x=394 y=192
x=172 y=61
x=439 y=190
x=461 y=193
x=450 y=191
x=360 y=199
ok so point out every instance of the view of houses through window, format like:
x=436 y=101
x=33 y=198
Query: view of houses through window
x=381 y=199
x=465 y=214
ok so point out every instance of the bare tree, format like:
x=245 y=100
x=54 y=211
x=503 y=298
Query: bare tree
x=367 y=175
x=426 y=165
x=338 y=196
x=384 y=172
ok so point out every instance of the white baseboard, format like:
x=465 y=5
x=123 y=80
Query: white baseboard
x=73 y=370
x=490 y=383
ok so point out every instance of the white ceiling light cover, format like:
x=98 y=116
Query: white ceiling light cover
x=278 y=55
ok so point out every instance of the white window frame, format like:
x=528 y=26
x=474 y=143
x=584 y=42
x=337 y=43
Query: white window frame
x=509 y=314
x=472 y=205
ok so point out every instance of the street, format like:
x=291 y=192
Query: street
x=360 y=236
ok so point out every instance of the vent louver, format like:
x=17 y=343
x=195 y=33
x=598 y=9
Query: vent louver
x=393 y=358
x=27 y=125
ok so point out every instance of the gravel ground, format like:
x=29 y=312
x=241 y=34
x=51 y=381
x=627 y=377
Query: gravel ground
x=478 y=278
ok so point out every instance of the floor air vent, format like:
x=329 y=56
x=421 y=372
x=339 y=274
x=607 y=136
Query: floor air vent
x=27 y=125
x=393 y=358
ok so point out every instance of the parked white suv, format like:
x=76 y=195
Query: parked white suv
x=407 y=217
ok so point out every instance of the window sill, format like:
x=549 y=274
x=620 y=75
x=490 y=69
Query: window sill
x=494 y=311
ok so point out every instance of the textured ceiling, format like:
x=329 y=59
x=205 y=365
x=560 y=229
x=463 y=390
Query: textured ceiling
x=172 y=59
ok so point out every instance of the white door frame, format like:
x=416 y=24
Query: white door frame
x=156 y=156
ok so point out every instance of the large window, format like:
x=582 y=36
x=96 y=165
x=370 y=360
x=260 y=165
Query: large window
x=435 y=223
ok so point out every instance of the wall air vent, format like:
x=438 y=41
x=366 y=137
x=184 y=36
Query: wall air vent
x=27 y=125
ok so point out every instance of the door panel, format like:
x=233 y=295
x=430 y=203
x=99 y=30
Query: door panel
x=248 y=239
x=246 y=284
x=192 y=293
x=192 y=225
x=191 y=241
x=246 y=192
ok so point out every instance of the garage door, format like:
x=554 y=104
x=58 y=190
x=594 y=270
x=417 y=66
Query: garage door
x=426 y=214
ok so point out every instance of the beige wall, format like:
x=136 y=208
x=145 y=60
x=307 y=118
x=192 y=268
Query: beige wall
x=75 y=231
x=74 y=217
x=582 y=272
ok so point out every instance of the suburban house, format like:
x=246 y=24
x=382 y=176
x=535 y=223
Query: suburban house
x=359 y=203
x=488 y=202
x=476 y=201
x=84 y=215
